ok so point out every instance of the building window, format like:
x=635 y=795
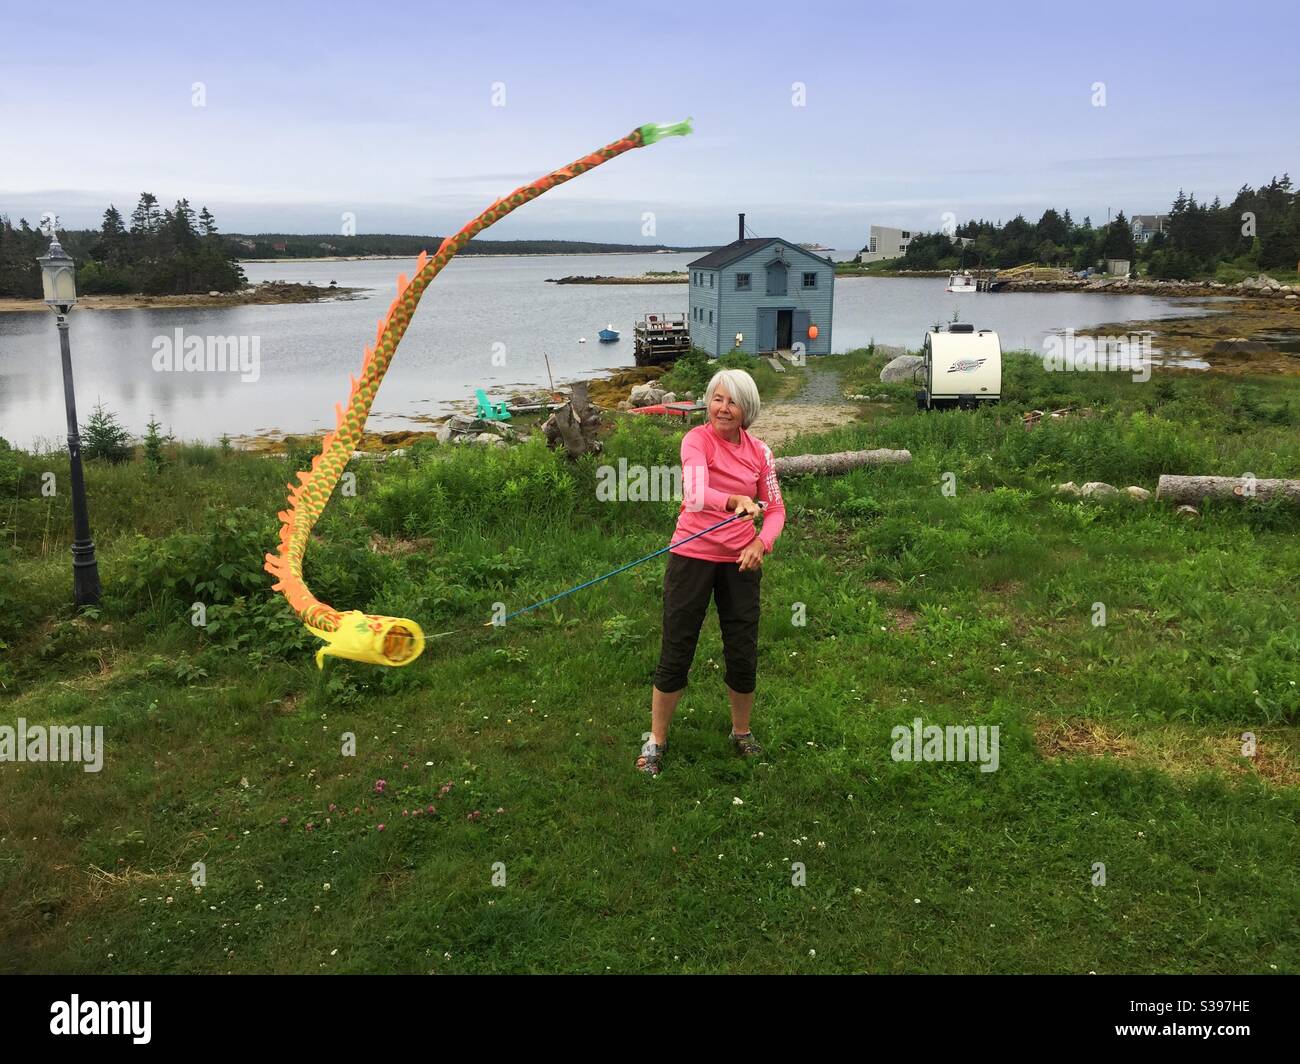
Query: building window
x=776 y=279
x=810 y=280
x=710 y=280
x=907 y=235
x=872 y=248
x=710 y=317
x=742 y=282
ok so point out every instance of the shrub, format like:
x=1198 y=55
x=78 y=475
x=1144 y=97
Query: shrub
x=102 y=436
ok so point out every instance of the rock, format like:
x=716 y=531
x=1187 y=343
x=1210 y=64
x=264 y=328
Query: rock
x=1188 y=511
x=690 y=396
x=1141 y=494
x=669 y=397
x=623 y=404
x=1068 y=488
x=646 y=395
x=459 y=426
x=902 y=368
x=1292 y=296
x=1096 y=489
x=214 y=293
x=1238 y=345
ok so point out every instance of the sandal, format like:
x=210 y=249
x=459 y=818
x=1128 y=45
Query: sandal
x=651 y=759
x=746 y=745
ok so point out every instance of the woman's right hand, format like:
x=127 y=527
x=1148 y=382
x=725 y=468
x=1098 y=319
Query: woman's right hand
x=743 y=504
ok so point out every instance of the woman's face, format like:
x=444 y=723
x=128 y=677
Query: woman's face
x=725 y=414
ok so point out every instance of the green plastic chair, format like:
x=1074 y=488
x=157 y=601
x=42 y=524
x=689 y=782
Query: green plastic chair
x=488 y=410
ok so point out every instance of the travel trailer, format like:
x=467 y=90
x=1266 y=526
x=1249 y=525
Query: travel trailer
x=961 y=367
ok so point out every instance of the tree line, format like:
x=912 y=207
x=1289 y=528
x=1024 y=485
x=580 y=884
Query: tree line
x=158 y=252
x=1258 y=230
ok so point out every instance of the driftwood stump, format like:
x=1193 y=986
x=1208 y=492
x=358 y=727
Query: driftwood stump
x=575 y=424
x=1194 y=489
x=840 y=462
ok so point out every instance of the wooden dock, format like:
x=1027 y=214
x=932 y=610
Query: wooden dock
x=661 y=338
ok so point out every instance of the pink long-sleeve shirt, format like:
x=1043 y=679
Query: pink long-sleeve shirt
x=712 y=470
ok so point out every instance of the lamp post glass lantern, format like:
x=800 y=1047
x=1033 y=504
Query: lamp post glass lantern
x=59 y=280
x=58 y=276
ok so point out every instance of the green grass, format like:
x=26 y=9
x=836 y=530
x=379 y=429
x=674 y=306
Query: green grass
x=214 y=735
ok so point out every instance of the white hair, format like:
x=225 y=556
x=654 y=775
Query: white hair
x=741 y=387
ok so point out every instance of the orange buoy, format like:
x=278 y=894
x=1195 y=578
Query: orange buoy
x=812 y=332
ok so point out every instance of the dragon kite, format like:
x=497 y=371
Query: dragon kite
x=352 y=634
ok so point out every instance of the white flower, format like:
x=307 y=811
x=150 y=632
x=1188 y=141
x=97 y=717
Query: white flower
x=737 y=801
x=811 y=953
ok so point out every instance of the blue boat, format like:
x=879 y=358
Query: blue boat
x=609 y=335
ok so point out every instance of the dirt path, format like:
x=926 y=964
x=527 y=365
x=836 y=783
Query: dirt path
x=819 y=405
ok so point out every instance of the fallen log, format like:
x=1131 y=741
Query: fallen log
x=1194 y=489
x=799 y=465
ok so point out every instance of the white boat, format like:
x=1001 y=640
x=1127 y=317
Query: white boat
x=960 y=282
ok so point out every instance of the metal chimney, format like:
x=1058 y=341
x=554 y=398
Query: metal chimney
x=741 y=232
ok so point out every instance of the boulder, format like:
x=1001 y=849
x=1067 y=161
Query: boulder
x=646 y=395
x=1068 y=488
x=902 y=368
x=1141 y=494
x=1096 y=489
x=459 y=426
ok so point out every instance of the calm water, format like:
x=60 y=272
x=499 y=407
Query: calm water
x=478 y=310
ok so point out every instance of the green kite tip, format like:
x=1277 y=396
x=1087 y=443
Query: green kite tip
x=657 y=131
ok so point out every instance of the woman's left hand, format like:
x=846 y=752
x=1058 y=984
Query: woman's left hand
x=752 y=556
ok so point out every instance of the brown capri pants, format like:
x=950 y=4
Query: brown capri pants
x=688 y=585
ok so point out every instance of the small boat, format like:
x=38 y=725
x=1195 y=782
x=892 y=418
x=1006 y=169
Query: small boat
x=682 y=409
x=608 y=335
x=582 y=339
x=960 y=282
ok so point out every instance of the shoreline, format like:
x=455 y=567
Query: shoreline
x=264 y=293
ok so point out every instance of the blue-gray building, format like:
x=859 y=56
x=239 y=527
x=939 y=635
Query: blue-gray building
x=764 y=289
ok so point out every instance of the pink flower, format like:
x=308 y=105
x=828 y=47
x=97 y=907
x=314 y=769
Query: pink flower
x=284 y=820
x=311 y=827
x=431 y=810
x=379 y=827
x=380 y=785
x=332 y=807
x=476 y=815
x=406 y=812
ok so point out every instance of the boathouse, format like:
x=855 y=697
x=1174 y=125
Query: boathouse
x=761 y=294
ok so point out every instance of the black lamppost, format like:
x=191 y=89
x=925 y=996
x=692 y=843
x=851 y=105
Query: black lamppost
x=60 y=282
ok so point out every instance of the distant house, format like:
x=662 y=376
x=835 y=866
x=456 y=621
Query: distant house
x=886 y=243
x=761 y=294
x=1145 y=226
x=280 y=247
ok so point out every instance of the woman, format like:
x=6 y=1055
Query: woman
x=724 y=470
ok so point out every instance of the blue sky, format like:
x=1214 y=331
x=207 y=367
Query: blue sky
x=386 y=111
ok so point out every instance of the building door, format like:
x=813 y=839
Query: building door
x=802 y=319
x=784 y=330
x=766 y=329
